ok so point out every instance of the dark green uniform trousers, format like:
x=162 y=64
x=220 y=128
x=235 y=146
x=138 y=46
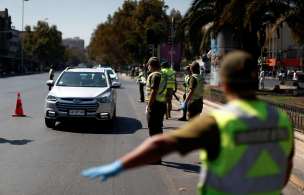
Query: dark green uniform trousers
x=156 y=117
x=194 y=107
x=141 y=92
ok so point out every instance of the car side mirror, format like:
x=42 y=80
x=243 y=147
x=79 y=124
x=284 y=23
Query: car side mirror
x=50 y=83
x=115 y=85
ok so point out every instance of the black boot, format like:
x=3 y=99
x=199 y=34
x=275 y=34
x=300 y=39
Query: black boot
x=183 y=119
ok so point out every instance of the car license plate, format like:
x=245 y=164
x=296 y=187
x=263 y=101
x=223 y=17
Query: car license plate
x=77 y=112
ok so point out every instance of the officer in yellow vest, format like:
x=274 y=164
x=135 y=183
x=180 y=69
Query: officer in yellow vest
x=188 y=74
x=171 y=86
x=156 y=90
x=194 y=99
x=247 y=146
x=51 y=74
x=141 y=83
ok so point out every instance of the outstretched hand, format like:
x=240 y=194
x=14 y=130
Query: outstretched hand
x=105 y=171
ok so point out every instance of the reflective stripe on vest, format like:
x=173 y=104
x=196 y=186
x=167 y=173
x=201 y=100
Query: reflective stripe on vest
x=187 y=85
x=162 y=88
x=235 y=181
x=170 y=77
x=200 y=85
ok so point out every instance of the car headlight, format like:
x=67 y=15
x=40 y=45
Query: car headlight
x=116 y=77
x=104 y=99
x=52 y=98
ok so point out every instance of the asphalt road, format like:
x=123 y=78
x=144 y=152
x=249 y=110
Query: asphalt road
x=37 y=160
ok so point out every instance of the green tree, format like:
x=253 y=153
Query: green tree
x=74 y=57
x=111 y=41
x=44 y=42
x=107 y=39
x=244 y=17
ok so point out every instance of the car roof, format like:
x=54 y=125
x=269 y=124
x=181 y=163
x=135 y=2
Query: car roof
x=85 y=70
x=105 y=69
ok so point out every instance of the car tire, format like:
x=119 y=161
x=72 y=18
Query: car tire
x=50 y=123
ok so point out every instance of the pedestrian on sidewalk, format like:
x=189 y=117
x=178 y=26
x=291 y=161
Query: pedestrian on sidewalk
x=247 y=146
x=141 y=80
x=188 y=74
x=295 y=78
x=132 y=72
x=171 y=86
x=273 y=73
x=1 y=70
x=262 y=77
x=194 y=99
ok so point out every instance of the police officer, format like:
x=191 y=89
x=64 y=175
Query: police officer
x=51 y=74
x=141 y=83
x=156 y=90
x=247 y=145
x=194 y=99
x=188 y=74
x=171 y=86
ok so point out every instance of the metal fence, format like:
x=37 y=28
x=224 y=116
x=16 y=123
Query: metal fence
x=295 y=113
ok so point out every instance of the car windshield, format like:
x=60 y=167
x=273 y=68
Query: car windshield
x=83 y=79
x=110 y=71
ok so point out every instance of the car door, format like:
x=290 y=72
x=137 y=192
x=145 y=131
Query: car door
x=112 y=96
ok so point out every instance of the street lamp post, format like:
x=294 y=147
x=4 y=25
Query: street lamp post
x=22 y=34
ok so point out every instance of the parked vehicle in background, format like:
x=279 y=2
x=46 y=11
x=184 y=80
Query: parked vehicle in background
x=82 y=66
x=47 y=69
x=81 y=94
x=102 y=66
x=112 y=73
x=300 y=75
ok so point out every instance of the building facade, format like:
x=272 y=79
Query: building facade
x=74 y=43
x=282 y=52
x=15 y=46
x=5 y=26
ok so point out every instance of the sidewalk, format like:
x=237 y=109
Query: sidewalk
x=20 y=74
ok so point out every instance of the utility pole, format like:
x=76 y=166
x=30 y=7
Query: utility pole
x=172 y=30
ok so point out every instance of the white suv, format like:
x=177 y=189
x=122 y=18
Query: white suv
x=81 y=94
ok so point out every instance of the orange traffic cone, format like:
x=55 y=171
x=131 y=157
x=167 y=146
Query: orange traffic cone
x=18 y=109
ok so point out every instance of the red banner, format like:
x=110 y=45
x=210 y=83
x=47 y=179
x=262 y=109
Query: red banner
x=165 y=53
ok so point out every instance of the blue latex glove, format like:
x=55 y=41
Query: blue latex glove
x=104 y=171
x=183 y=106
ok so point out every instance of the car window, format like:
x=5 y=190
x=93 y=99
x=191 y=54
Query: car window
x=110 y=71
x=82 y=79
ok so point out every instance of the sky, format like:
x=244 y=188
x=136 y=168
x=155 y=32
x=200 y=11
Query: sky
x=74 y=18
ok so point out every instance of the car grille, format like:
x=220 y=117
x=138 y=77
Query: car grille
x=84 y=105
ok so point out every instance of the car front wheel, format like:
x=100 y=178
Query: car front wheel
x=50 y=123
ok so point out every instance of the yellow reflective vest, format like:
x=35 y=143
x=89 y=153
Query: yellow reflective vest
x=162 y=89
x=256 y=141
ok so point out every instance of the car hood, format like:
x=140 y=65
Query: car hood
x=80 y=92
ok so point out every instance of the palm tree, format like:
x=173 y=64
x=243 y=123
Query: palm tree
x=244 y=17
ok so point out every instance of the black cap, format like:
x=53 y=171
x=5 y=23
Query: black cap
x=238 y=67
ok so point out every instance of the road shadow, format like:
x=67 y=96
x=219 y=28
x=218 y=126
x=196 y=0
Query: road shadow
x=122 y=125
x=15 y=142
x=185 y=167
